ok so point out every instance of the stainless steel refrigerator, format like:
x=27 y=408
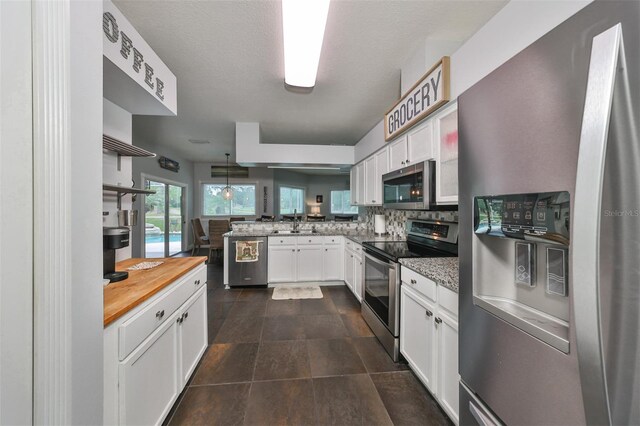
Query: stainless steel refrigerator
x=549 y=246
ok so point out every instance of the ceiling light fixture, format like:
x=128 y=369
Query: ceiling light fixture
x=227 y=192
x=303 y=24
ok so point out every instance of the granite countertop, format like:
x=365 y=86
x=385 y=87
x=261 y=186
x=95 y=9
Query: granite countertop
x=355 y=236
x=442 y=270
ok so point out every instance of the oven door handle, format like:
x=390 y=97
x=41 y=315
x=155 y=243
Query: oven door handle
x=388 y=264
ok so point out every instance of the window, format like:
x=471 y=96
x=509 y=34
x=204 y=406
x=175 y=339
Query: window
x=243 y=202
x=291 y=199
x=341 y=203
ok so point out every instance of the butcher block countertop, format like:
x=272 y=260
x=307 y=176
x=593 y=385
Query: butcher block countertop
x=120 y=297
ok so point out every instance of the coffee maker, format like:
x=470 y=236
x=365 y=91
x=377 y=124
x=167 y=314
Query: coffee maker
x=113 y=238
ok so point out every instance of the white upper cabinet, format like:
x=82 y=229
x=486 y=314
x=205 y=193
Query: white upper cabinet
x=446 y=144
x=420 y=143
x=398 y=153
x=353 y=186
x=382 y=167
x=360 y=198
x=371 y=175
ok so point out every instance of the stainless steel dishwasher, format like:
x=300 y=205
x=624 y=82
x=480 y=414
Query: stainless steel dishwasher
x=247 y=258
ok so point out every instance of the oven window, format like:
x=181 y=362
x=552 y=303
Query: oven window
x=376 y=289
x=404 y=189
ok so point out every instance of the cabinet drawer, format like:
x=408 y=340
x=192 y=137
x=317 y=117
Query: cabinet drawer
x=332 y=240
x=310 y=240
x=448 y=300
x=282 y=241
x=137 y=328
x=419 y=283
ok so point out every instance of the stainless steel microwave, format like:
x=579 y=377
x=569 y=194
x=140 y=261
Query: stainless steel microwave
x=410 y=188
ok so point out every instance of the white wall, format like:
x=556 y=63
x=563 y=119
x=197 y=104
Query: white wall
x=117 y=123
x=323 y=185
x=250 y=151
x=513 y=28
x=16 y=215
x=85 y=120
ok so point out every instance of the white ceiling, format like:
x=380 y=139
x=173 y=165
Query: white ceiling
x=228 y=59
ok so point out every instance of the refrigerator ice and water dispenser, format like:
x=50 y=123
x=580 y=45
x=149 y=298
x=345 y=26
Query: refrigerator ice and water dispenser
x=520 y=262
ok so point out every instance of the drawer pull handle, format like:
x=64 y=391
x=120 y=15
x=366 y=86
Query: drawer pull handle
x=326 y=249
x=429 y=313
x=197 y=282
x=413 y=281
x=438 y=320
x=186 y=315
x=160 y=314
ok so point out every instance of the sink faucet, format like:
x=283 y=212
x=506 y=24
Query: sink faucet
x=296 y=224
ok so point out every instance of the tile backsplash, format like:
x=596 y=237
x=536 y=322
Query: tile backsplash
x=396 y=219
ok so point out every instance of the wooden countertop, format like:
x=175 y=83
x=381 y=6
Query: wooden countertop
x=122 y=296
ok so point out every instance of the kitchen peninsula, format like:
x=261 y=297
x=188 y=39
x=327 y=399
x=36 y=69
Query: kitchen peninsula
x=155 y=332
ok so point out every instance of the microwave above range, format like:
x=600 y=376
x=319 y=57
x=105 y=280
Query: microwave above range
x=412 y=188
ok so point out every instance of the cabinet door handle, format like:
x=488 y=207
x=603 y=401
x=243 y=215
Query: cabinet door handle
x=407 y=162
x=413 y=281
x=326 y=249
x=186 y=315
x=281 y=241
x=197 y=282
x=179 y=320
x=160 y=314
x=298 y=249
x=429 y=313
x=402 y=163
x=438 y=320
x=309 y=240
x=293 y=249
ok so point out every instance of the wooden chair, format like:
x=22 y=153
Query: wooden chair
x=216 y=240
x=316 y=218
x=200 y=239
x=344 y=218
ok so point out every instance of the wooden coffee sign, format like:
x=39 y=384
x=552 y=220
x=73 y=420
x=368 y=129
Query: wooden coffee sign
x=427 y=95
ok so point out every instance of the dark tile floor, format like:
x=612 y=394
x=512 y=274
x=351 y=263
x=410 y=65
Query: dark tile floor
x=304 y=362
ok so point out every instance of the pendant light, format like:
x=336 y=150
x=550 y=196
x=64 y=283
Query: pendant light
x=227 y=192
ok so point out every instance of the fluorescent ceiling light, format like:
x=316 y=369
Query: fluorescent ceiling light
x=304 y=167
x=304 y=22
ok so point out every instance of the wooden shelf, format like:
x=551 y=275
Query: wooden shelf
x=126 y=190
x=124 y=149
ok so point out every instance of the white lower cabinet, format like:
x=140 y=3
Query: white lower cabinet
x=305 y=258
x=148 y=378
x=417 y=335
x=353 y=273
x=309 y=261
x=429 y=337
x=358 y=277
x=282 y=263
x=193 y=334
x=141 y=388
x=349 y=271
x=332 y=263
x=448 y=364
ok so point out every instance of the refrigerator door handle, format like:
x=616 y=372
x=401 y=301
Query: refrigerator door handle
x=605 y=52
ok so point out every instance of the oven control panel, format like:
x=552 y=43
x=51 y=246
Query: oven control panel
x=541 y=216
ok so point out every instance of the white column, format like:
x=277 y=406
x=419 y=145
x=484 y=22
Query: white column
x=67 y=92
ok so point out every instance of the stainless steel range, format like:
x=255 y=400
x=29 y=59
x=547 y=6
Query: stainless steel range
x=381 y=303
